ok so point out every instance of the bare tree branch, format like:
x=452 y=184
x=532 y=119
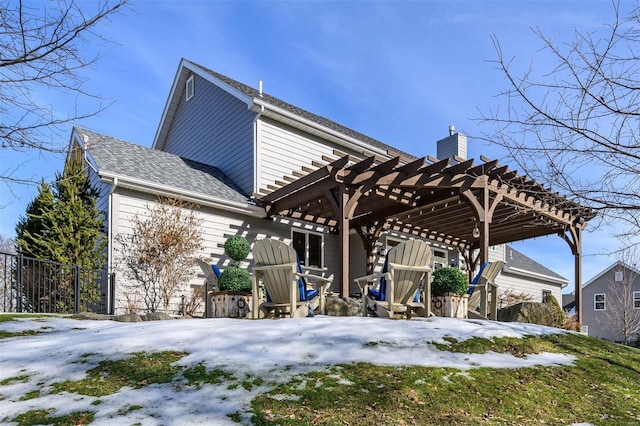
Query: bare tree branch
x=43 y=50
x=575 y=127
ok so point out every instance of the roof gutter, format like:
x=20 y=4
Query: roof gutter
x=190 y=196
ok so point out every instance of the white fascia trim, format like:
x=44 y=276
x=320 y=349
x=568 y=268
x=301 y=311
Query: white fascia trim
x=154 y=188
x=516 y=271
x=347 y=141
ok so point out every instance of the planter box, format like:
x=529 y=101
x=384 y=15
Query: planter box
x=451 y=305
x=230 y=304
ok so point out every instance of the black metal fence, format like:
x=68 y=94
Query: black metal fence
x=41 y=286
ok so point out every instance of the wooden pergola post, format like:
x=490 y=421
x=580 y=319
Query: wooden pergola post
x=574 y=238
x=344 y=242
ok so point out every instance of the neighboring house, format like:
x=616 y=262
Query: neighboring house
x=611 y=303
x=219 y=143
x=522 y=275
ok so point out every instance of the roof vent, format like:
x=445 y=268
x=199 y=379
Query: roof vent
x=452 y=129
x=260 y=88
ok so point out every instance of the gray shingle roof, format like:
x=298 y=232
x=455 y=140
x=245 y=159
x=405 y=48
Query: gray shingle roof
x=158 y=167
x=250 y=91
x=515 y=259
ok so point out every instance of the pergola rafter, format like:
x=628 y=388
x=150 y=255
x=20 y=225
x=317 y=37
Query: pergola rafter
x=429 y=198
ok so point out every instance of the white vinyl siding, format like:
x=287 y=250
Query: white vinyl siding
x=217 y=226
x=215 y=128
x=283 y=149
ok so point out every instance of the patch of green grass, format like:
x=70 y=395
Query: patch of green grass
x=142 y=369
x=515 y=346
x=129 y=409
x=198 y=376
x=22 y=379
x=14 y=317
x=30 y=395
x=7 y=334
x=603 y=385
x=41 y=417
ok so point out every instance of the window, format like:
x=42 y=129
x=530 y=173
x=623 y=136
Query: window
x=309 y=247
x=636 y=300
x=599 y=301
x=619 y=276
x=189 y=88
x=545 y=294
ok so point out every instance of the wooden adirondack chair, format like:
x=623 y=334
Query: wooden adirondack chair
x=278 y=271
x=479 y=292
x=393 y=291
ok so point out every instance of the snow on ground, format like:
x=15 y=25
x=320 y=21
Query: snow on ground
x=272 y=349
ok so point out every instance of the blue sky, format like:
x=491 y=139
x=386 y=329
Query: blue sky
x=398 y=71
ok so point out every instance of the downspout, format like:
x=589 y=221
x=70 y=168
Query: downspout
x=256 y=163
x=110 y=297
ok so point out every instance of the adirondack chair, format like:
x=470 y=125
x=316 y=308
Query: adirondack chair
x=278 y=271
x=211 y=274
x=394 y=291
x=479 y=291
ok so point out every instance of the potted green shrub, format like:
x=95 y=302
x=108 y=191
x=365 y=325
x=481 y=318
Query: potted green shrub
x=449 y=293
x=234 y=298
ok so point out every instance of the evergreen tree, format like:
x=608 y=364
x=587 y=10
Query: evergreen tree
x=32 y=229
x=62 y=223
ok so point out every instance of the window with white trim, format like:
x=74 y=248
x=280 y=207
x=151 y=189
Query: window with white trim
x=309 y=246
x=189 y=88
x=545 y=294
x=636 y=300
x=599 y=301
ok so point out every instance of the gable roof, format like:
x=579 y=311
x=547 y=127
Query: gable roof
x=253 y=98
x=517 y=262
x=614 y=265
x=114 y=158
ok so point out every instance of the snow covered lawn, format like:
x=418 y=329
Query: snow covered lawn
x=274 y=350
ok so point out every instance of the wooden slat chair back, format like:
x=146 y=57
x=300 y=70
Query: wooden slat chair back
x=406 y=281
x=408 y=265
x=276 y=268
x=480 y=295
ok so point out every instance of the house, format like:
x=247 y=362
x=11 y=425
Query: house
x=524 y=277
x=611 y=307
x=262 y=168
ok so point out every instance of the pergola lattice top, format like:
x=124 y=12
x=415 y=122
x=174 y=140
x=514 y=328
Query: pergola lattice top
x=427 y=197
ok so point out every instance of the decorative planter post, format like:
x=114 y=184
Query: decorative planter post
x=234 y=298
x=449 y=293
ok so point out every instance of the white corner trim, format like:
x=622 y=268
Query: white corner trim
x=190 y=196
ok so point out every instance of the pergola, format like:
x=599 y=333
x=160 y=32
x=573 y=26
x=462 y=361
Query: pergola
x=455 y=203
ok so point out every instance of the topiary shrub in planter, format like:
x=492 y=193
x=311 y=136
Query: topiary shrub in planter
x=448 y=280
x=449 y=293
x=235 y=278
x=237 y=248
x=234 y=298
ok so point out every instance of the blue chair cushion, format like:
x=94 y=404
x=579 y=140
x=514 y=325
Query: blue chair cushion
x=477 y=277
x=216 y=270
